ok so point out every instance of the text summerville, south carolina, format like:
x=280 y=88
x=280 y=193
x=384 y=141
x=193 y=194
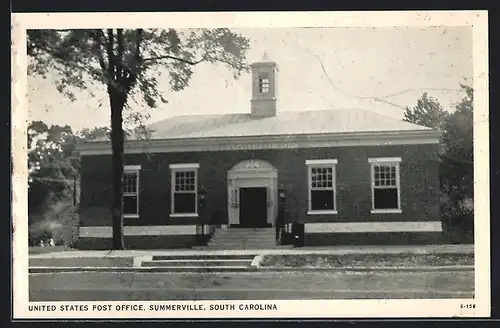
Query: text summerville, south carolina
x=153 y=307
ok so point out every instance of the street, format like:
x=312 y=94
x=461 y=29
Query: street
x=82 y=286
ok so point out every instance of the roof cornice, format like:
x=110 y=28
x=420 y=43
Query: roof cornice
x=265 y=142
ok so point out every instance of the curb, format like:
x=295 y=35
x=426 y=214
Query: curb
x=140 y=269
x=248 y=269
x=372 y=269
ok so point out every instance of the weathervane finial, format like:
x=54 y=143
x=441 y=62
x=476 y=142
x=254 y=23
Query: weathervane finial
x=265 y=56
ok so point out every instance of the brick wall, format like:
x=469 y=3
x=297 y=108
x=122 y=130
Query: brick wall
x=419 y=183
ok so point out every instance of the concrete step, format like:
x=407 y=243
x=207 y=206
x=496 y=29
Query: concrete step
x=246 y=240
x=246 y=236
x=197 y=268
x=202 y=257
x=243 y=237
x=195 y=263
x=267 y=242
x=246 y=232
x=249 y=235
x=245 y=247
x=255 y=248
x=243 y=240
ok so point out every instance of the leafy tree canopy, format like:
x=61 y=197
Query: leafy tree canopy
x=133 y=59
x=51 y=164
x=428 y=112
x=129 y=62
x=456 y=153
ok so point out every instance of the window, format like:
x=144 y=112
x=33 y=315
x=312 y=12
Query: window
x=184 y=184
x=131 y=190
x=321 y=180
x=264 y=83
x=386 y=191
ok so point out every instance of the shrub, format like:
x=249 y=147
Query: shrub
x=458 y=221
x=44 y=230
x=60 y=222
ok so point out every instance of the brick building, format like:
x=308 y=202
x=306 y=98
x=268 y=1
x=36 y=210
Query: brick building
x=346 y=176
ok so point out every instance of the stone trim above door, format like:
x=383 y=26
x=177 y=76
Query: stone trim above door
x=252 y=173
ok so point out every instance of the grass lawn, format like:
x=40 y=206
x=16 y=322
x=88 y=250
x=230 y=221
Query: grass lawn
x=48 y=249
x=83 y=262
x=366 y=260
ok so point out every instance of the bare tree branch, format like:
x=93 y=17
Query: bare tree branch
x=175 y=58
x=98 y=38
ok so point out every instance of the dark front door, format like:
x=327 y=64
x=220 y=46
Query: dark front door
x=253 y=207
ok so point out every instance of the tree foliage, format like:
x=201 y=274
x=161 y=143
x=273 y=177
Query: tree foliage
x=131 y=59
x=52 y=166
x=457 y=163
x=49 y=163
x=129 y=64
x=428 y=112
x=456 y=155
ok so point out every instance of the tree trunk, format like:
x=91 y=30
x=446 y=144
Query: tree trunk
x=74 y=190
x=117 y=103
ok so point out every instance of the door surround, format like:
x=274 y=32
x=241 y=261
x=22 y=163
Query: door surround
x=252 y=173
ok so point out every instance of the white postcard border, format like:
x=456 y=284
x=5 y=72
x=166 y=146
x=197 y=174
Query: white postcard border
x=302 y=308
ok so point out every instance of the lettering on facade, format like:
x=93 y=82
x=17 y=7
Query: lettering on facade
x=252 y=164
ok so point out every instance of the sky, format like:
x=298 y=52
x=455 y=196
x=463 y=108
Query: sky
x=358 y=63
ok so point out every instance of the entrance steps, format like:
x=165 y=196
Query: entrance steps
x=243 y=238
x=215 y=263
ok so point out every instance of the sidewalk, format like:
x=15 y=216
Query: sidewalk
x=331 y=250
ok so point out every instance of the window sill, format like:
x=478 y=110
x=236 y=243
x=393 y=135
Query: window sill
x=386 y=211
x=183 y=215
x=131 y=216
x=321 y=212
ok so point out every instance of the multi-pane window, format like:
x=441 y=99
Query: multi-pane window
x=184 y=189
x=385 y=184
x=264 y=83
x=321 y=179
x=131 y=190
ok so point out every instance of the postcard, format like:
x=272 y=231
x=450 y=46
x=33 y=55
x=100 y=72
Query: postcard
x=250 y=165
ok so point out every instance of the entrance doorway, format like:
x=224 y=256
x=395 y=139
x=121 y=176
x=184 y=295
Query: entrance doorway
x=253 y=207
x=252 y=194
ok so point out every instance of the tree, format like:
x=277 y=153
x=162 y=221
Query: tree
x=128 y=62
x=458 y=160
x=428 y=112
x=50 y=165
x=456 y=154
x=96 y=133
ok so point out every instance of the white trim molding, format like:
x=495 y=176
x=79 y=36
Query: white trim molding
x=184 y=166
x=382 y=138
x=163 y=230
x=392 y=163
x=386 y=211
x=178 y=168
x=384 y=160
x=376 y=226
x=321 y=161
x=184 y=215
x=252 y=173
x=321 y=164
x=327 y=212
x=130 y=168
x=133 y=169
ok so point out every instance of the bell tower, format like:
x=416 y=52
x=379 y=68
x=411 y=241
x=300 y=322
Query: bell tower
x=263 y=103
